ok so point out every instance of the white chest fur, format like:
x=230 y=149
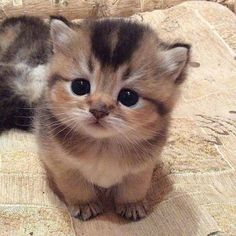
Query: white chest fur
x=104 y=170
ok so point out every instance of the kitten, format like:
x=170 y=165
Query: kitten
x=25 y=49
x=103 y=119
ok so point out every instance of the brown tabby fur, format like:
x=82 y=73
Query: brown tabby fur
x=120 y=156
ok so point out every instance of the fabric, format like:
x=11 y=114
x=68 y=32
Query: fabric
x=73 y=9
x=194 y=185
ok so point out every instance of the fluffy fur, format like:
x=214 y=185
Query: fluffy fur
x=118 y=152
x=24 y=52
x=82 y=151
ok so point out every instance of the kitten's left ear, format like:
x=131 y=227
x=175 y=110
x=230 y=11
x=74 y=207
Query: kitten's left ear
x=176 y=57
x=61 y=35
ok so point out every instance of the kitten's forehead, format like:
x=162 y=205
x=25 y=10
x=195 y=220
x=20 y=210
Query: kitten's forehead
x=113 y=42
x=118 y=53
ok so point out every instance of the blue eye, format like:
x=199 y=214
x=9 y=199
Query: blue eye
x=128 y=97
x=80 y=87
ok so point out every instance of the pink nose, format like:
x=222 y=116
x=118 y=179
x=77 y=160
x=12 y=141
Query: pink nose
x=99 y=110
x=99 y=114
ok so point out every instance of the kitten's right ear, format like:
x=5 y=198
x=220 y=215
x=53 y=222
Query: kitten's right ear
x=61 y=35
x=175 y=58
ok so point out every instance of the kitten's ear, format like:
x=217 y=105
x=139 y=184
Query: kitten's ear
x=61 y=35
x=176 y=58
x=61 y=18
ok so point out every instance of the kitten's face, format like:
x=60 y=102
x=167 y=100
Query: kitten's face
x=112 y=79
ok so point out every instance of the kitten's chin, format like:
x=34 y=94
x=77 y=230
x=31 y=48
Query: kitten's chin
x=98 y=131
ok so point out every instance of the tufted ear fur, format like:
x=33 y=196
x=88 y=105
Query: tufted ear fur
x=175 y=59
x=61 y=35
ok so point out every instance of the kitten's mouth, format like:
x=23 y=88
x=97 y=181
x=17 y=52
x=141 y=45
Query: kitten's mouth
x=98 y=129
x=97 y=124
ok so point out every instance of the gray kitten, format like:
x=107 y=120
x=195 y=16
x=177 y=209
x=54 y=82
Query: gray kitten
x=25 y=49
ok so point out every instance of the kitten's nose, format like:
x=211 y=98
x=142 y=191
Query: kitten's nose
x=99 y=111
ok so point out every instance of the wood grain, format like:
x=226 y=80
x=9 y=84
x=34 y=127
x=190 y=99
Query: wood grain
x=73 y=9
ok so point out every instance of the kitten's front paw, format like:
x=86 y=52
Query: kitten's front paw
x=86 y=211
x=132 y=211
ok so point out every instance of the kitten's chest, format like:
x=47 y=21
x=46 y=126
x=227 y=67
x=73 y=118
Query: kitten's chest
x=102 y=169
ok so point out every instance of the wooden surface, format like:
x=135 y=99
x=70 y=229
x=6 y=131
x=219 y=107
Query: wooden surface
x=73 y=9
x=194 y=187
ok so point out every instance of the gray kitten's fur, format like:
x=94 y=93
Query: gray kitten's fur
x=24 y=52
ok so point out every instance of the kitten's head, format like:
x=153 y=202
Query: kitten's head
x=113 y=78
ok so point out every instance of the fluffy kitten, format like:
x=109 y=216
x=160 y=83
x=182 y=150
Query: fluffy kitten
x=103 y=118
x=24 y=52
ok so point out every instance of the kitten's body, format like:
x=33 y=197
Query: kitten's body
x=109 y=132
x=24 y=53
x=118 y=151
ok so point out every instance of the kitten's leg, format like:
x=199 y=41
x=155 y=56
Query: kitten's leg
x=130 y=195
x=78 y=194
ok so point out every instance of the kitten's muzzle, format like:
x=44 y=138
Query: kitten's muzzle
x=99 y=111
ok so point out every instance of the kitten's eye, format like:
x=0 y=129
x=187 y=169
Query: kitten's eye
x=128 y=97
x=80 y=86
